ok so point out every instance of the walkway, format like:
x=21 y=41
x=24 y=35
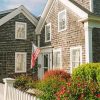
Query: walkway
x=1 y=91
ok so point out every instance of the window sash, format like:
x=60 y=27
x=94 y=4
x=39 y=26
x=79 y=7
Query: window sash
x=57 y=59
x=62 y=20
x=20 y=62
x=48 y=32
x=20 y=30
x=76 y=57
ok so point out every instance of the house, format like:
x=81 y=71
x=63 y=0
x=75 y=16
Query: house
x=68 y=34
x=17 y=32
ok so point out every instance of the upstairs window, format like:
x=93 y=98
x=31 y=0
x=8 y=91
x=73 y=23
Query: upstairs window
x=48 y=32
x=62 y=21
x=20 y=30
x=20 y=62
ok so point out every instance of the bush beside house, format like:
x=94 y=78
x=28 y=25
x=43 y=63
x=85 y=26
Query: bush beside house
x=84 y=84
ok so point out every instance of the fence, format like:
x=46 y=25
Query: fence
x=10 y=93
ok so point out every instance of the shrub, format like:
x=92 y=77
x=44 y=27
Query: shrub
x=79 y=90
x=50 y=86
x=88 y=72
x=57 y=73
x=24 y=82
x=51 y=83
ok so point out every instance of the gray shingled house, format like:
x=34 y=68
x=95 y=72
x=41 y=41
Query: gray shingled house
x=68 y=34
x=16 y=36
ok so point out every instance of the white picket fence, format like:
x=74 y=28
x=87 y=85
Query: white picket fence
x=10 y=93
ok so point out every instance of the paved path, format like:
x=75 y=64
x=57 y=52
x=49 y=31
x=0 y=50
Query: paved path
x=1 y=91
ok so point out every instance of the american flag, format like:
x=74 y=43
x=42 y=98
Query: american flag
x=34 y=56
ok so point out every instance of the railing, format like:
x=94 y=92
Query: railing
x=10 y=93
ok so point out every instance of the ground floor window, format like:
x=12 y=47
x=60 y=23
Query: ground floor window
x=75 y=56
x=57 y=61
x=20 y=62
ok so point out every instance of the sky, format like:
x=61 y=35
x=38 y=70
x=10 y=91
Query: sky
x=34 y=6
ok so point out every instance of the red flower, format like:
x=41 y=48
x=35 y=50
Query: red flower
x=69 y=84
x=78 y=84
x=98 y=95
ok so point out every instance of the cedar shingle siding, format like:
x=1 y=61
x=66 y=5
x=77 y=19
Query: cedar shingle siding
x=84 y=3
x=9 y=45
x=73 y=36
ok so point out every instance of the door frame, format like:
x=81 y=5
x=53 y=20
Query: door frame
x=41 y=61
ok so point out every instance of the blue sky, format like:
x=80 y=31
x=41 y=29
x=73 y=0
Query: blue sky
x=35 y=6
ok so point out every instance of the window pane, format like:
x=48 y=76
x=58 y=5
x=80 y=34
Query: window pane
x=20 y=30
x=62 y=19
x=75 y=57
x=47 y=32
x=20 y=62
x=57 y=60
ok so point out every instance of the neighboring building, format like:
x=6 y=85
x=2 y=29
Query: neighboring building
x=17 y=28
x=68 y=34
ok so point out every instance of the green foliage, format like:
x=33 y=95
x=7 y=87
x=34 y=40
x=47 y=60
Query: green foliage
x=79 y=90
x=88 y=72
x=24 y=82
x=51 y=83
x=49 y=87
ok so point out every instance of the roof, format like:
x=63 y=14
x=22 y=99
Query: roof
x=9 y=14
x=4 y=13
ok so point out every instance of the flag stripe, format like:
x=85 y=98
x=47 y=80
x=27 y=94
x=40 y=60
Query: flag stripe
x=34 y=56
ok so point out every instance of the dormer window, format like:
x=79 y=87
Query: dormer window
x=62 y=21
x=48 y=32
x=20 y=30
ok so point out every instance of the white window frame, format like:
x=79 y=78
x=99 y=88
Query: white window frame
x=65 y=20
x=71 y=49
x=25 y=69
x=58 y=50
x=49 y=24
x=16 y=23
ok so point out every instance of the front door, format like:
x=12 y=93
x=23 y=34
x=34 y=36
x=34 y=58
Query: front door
x=45 y=61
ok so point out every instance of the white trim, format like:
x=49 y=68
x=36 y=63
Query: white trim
x=44 y=15
x=24 y=71
x=88 y=42
x=65 y=20
x=49 y=24
x=58 y=50
x=46 y=47
x=75 y=8
x=74 y=48
x=91 y=6
x=16 y=23
x=19 y=10
x=48 y=8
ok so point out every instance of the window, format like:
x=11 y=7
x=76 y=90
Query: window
x=20 y=62
x=62 y=21
x=20 y=30
x=48 y=32
x=76 y=56
x=57 y=61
